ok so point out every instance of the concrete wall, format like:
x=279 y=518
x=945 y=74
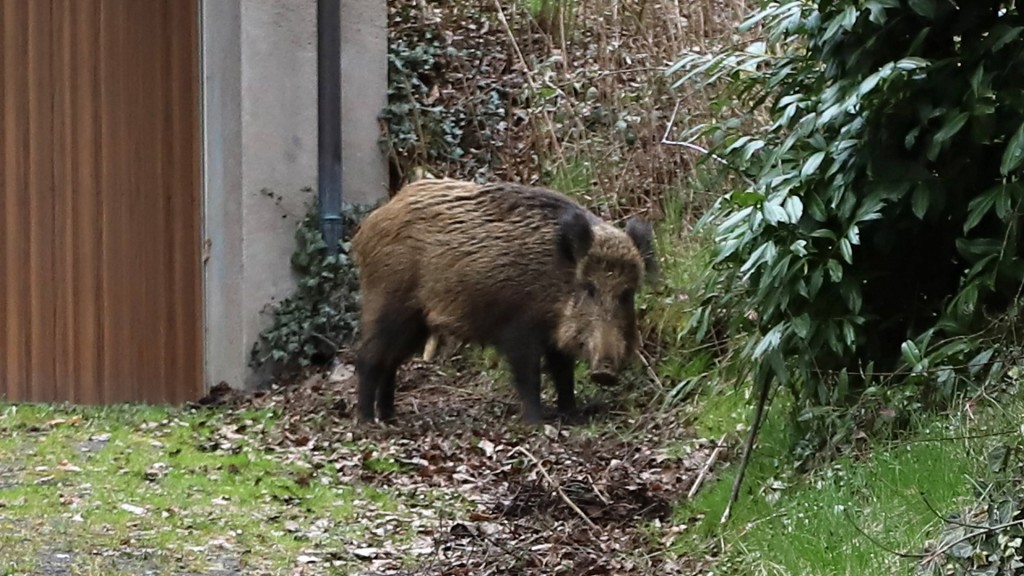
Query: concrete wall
x=364 y=93
x=279 y=146
x=260 y=95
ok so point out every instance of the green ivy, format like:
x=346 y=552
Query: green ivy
x=310 y=326
x=447 y=105
x=880 y=231
x=986 y=537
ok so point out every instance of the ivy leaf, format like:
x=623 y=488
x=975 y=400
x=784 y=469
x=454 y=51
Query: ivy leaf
x=877 y=9
x=978 y=207
x=979 y=361
x=911 y=355
x=1014 y=153
x=774 y=213
x=1003 y=35
x=952 y=127
x=835 y=270
x=919 y=201
x=911 y=63
x=794 y=208
x=812 y=163
x=963 y=549
x=846 y=250
x=925 y=8
x=802 y=325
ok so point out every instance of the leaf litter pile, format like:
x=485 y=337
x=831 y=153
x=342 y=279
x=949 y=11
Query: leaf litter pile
x=481 y=493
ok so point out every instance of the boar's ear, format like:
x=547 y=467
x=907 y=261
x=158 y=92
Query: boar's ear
x=642 y=235
x=574 y=235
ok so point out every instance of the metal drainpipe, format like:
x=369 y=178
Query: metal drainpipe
x=328 y=43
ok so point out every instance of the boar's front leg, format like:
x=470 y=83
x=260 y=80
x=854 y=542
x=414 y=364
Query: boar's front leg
x=561 y=367
x=523 y=355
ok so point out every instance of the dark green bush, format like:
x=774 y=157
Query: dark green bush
x=880 y=233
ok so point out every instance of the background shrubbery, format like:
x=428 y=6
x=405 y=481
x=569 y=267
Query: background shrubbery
x=878 y=240
x=850 y=244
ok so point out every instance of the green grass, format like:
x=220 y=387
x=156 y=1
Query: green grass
x=205 y=489
x=789 y=524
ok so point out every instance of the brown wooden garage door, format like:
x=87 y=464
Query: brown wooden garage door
x=99 y=201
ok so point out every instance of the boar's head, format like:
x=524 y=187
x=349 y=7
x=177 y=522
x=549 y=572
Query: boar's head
x=598 y=321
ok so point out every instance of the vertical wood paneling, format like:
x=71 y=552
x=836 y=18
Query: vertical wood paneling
x=41 y=202
x=87 y=201
x=100 y=266
x=162 y=174
x=3 y=199
x=15 y=161
x=185 y=207
x=114 y=194
x=63 y=145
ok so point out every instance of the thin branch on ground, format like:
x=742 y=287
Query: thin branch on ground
x=903 y=442
x=706 y=468
x=556 y=486
x=327 y=341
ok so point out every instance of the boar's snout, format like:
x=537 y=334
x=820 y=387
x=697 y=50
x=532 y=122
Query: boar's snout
x=607 y=355
x=604 y=376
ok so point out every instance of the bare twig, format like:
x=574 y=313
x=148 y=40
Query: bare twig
x=706 y=468
x=326 y=340
x=556 y=486
x=1007 y=432
x=940 y=551
x=948 y=520
x=561 y=38
x=607 y=501
x=650 y=370
x=876 y=542
x=528 y=73
x=965 y=537
x=606 y=73
x=690 y=145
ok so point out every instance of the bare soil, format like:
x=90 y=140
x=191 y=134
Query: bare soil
x=595 y=497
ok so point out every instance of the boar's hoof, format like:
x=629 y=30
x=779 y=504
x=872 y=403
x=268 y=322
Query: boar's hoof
x=604 y=378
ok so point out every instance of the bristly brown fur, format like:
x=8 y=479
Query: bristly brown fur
x=483 y=264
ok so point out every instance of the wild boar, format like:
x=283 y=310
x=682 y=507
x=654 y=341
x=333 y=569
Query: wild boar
x=524 y=269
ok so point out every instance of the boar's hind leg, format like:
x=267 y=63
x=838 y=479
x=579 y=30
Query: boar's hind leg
x=560 y=367
x=392 y=338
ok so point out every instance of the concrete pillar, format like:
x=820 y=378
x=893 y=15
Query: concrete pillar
x=279 y=148
x=364 y=94
x=222 y=167
x=260 y=140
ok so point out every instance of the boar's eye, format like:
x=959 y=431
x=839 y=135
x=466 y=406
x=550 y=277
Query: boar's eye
x=590 y=289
